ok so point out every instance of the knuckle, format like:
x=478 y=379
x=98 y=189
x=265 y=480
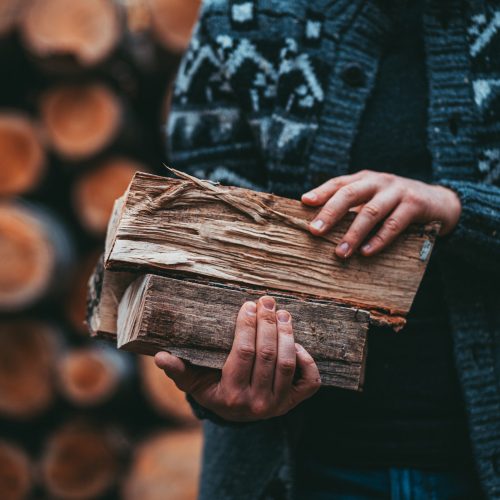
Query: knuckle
x=260 y=407
x=371 y=210
x=348 y=192
x=412 y=197
x=392 y=225
x=267 y=353
x=245 y=352
x=387 y=177
x=378 y=239
x=234 y=401
x=286 y=366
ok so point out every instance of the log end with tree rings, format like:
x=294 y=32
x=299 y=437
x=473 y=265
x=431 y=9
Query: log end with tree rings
x=16 y=475
x=173 y=22
x=22 y=162
x=163 y=394
x=81 y=120
x=81 y=461
x=83 y=31
x=89 y=376
x=27 y=359
x=166 y=466
x=95 y=192
x=34 y=253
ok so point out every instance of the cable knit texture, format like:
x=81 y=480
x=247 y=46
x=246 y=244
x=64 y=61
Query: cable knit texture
x=270 y=96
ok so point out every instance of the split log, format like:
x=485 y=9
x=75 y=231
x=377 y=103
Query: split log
x=35 y=253
x=89 y=376
x=189 y=320
x=166 y=466
x=81 y=461
x=16 y=475
x=172 y=22
x=238 y=236
x=27 y=360
x=81 y=120
x=96 y=191
x=67 y=35
x=22 y=162
x=163 y=394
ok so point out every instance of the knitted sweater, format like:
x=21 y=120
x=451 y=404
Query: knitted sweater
x=270 y=95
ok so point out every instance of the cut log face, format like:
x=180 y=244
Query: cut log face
x=22 y=161
x=166 y=466
x=27 y=360
x=96 y=191
x=173 y=22
x=163 y=394
x=81 y=120
x=15 y=472
x=189 y=320
x=84 y=30
x=80 y=462
x=235 y=235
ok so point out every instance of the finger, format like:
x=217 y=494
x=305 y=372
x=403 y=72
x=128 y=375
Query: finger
x=266 y=346
x=368 y=217
x=237 y=370
x=285 y=363
x=177 y=369
x=319 y=195
x=392 y=227
x=339 y=204
x=310 y=379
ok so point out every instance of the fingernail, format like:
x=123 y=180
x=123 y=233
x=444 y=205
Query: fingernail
x=250 y=308
x=318 y=224
x=366 y=248
x=268 y=303
x=344 y=248
x=283 y=316
x=310 y=196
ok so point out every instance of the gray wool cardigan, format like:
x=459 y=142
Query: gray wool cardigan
x=269 y=96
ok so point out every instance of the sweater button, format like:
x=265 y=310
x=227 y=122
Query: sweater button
x=353 y=75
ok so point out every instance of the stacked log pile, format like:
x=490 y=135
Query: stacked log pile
x=81 y=109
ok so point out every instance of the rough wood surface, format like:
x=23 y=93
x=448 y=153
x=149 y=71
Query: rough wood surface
x=196 y=322
x=240 y=236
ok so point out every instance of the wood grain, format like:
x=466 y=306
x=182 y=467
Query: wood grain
x=235 y=235
x=196 y=322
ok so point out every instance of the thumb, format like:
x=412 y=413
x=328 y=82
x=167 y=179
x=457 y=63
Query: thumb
x=177 y=369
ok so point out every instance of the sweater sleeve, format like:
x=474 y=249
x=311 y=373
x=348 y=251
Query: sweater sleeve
x=476 y=237
x=208 y=131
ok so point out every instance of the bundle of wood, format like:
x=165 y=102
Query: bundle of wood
x=181 y=253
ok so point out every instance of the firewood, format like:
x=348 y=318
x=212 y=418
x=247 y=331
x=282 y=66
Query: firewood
x=96 y=191
x=163 y=394
x=81 y=120
x=35 y=253
x=27 y=359
x=189 y=320
x=166 y=466
x=64 y=35
x=22 y=162
x=172 y=22
x=89 y=376
x=81 y=461
x=16 y=475
x=234 y=235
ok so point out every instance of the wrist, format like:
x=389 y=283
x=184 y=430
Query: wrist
x=451 y=207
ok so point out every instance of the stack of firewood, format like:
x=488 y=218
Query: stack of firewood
x=82 y=102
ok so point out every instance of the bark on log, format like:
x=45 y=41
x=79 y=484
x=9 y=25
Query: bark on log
x=96 y=191
x=196 y=322
x=90 y=376
x=81 y=120
x=22 y=162
x=255 y=239
x=35 y=254
x=163 y=394
x=27 y=359
x=16 y=474
x=65 y=35
x=166 y=466
x=81 y=461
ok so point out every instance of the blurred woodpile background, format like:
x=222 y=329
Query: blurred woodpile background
x=83 y=99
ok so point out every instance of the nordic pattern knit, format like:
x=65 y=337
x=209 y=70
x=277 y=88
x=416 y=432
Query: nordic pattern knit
x=270 y=96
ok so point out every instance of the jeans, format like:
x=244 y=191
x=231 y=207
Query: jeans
x=317 y=481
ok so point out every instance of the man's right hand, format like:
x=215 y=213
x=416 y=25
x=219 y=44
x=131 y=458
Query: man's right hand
x=257 y=380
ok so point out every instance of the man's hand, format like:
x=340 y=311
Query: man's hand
x=257 y=380
x=383 y=199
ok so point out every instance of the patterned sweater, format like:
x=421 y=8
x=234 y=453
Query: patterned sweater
x=270 y=95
